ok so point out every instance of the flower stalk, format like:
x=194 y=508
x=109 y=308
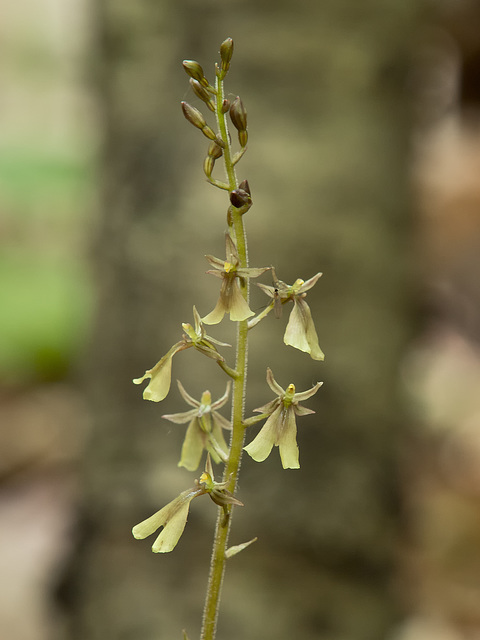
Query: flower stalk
x=205 y=424
x=222 y=528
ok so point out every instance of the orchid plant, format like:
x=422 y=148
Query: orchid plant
x=206 y=426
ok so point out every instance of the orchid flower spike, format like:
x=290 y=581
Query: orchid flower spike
x=280 y=429
x=231 y=299
x=204 y=430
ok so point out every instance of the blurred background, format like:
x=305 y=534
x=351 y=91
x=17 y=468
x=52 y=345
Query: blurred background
x=363 y=160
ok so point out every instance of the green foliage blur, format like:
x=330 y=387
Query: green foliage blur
x=45 y=194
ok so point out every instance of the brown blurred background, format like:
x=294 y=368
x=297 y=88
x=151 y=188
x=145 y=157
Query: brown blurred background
x=363 y=159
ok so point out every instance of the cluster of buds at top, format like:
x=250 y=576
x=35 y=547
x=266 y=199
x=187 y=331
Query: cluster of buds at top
x=238 y=116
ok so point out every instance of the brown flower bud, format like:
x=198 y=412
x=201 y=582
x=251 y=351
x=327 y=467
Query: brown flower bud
x=202 y=93
x=239 y=198
x=243 y=138
x=225 y=105
x=238 y=115
x=209 y=133
x=194 y=70
x=226 y=52
x=245 y=186
x=208 y=165
x=193 y=115
x=214 y=150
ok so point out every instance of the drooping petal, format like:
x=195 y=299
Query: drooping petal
x=260 y=447
x=192 y=447
x=172 y=518
x=160 y=380
x=315 y=352
x=287 y=441
x=300 y=332
x=215 y=316
x=295 y=333
x=238 y=306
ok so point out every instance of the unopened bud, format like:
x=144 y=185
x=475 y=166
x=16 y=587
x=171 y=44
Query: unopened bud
x=239 y=198
x=245 y=186
x=226 y=52
x=225 y=105
x=202 y=93
x=214 y=150
x=208 y=165
x=243 y=138
x=194 y=70
x=193 y=115
x=238 y=115
x=209 y=132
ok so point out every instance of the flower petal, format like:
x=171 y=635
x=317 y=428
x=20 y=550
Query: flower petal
x=224 y=399
x=287 y=441
x=160 y=380
x=304 y=395
x=260 y=447
x=215 y=316
x=192 y=447
x=172 y=517
x=300 y=332
x=273 y=384
x=238 y=306
x=180 y=418
x=309 y=283
x=187 y=397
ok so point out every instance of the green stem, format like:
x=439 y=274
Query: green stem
x=217 y=563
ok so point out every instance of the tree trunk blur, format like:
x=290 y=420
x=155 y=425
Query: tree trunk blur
x=325 y=88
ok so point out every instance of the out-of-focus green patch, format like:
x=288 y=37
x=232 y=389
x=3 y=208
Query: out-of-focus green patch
x=28 y=177
x=45 y=308
x=45 y=296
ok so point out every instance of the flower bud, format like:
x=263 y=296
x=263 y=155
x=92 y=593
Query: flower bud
x=214 y=150
x=245 y=186
x=239 y=198
x=202 y=93
x=238 y=115
x=194 y=70
x=225 y=105
x=193 y=115
x=226 y=52
x=208 y=165
x=209 y=133
x=243 y=138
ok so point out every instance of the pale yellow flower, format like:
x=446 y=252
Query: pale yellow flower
x=280 y=429
x=205 y=429
x=160 y=375
x=173 y=518
x=231 y=299
x=300 y=332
